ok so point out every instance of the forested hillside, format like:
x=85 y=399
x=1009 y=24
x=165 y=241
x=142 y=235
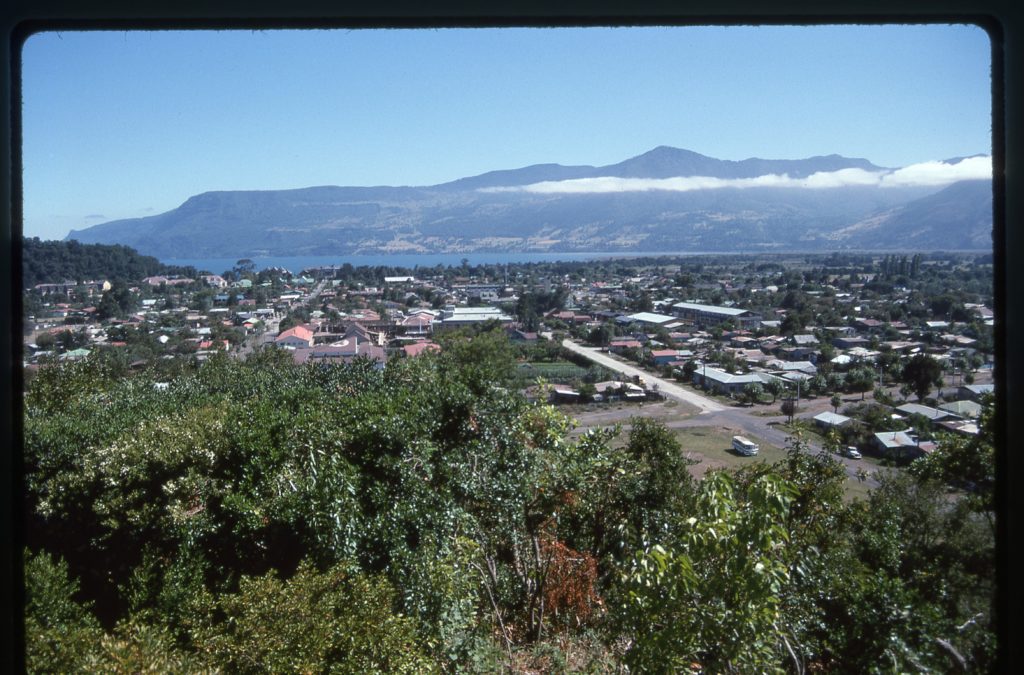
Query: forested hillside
x=56 y=261
x=258 y=516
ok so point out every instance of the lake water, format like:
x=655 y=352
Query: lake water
x=296 y=264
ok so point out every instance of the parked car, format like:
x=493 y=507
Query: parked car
x=851 y=452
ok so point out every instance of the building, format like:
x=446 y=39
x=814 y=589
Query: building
x=297 y=337
x=933 y=415
x=647 y=319
x=711 y=315
x=722 y=382
x=829 y=420
x=417 y=348
x=967 y=409
x=974 y=392
x=457 y=317
x=344 y=351
x=901 y=445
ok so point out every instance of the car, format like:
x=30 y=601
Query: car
x=851 y=452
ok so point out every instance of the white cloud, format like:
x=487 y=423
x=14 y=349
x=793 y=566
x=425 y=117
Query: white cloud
x=940 y=173
x=925 y=174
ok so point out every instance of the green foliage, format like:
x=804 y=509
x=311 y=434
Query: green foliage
x=56 y=261
x=330 y=621
x=713 y=602
x=921 y=373
x=753 y=392
x=258 y=515
x=59 y=631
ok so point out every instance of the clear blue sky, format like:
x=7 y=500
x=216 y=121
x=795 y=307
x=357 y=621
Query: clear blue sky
x=127 y=124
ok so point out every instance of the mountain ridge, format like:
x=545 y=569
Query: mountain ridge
x=469 y=215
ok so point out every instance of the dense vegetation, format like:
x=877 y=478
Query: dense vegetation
x=57 y=261
x=257 y=516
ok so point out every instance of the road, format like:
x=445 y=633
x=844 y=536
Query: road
x=740 y=421
x=664 y=387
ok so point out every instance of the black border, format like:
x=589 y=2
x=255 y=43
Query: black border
x=20 y=18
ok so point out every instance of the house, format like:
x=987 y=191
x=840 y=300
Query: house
x=457 y=317
x=974 y=392
x=417 y=348
x=214 y=280
x=296 y=337
x=805 y=367
x=516 y=335
x=933 y=415
x=967 y=409
x=419 y=323
x=962 y=427
x=868 y=324
x=664 y=356
x=901 y=445
x=828 y=420
x=850 y=342
x=563 y=394
x=344 y=351
x=75 y=354
x=619 y=346
x=625 y=390
x=728 y=383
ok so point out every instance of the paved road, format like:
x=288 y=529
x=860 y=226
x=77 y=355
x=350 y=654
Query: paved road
x=664 y=387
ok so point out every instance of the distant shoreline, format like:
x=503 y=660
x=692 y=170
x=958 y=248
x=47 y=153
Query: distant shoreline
x=296 y=264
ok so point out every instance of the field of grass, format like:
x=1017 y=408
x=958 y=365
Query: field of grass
x=712 y=447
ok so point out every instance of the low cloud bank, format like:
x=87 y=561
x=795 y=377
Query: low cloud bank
x=924 y=174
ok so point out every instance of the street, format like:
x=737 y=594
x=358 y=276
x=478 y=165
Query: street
x=663 y=386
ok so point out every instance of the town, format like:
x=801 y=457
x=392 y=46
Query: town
x=501 y=467
x=878 y=355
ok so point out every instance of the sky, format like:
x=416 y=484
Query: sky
x=124 y=124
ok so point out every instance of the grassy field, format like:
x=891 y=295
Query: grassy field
x=712 y=448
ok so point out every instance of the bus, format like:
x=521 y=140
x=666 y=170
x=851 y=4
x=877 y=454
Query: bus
x=744 y=446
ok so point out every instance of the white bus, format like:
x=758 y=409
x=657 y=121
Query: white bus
x=744 y=446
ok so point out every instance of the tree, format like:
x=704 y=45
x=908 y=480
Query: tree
x=789 y=408
x=860 y=380
x=922 y=372
x=836 y=401
x=752 y=392
x=775 y=387
x=601 y=335
x=45 y=341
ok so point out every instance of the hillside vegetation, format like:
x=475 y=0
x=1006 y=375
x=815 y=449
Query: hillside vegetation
x=57 y=261
x=258 y=516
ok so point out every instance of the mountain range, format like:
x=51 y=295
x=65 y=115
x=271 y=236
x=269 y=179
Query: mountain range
x=667 y=199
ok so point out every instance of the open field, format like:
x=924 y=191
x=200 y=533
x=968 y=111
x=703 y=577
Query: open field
x=709 y=444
